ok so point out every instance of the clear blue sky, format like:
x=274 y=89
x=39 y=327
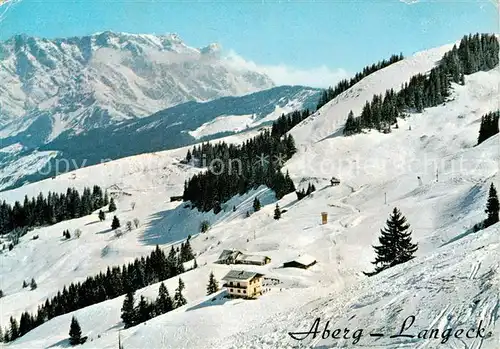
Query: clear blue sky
x=346 y=34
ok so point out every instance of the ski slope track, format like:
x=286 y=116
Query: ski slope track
x=454 y=281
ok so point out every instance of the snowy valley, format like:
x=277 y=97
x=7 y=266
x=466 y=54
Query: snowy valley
x=429 y=167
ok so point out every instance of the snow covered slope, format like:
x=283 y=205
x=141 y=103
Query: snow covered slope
x=85 y=82
x=453 y=282
x=332 y=116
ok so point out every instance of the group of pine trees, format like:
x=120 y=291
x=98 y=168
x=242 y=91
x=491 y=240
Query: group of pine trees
x=32 y=284
x=396 y=245
x=95 y=289
x=303 y=193
x=489 y=126
x=475 y=53
x=52 y=209
x=332 y=92
x=286 y=122
x=226 y=178
x=237 y=169
x=144 y=310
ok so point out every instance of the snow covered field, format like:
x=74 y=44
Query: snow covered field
x=454 y=281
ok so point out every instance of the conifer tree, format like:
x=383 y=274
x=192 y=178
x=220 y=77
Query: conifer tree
x=128 y=310
x=105 y=201
x=102 y=215
x=142 y=311
x=179 y=266
x=277 y=212
x=181 y=286
x=163 y=303
x=115 y=224
x=213 y=285
x=289 y=185
x=300 y=194
x=179 y=299
x=256 y=205
x=396 y=246
x=171 y=263
x=14 y=329
x=25 y=284
x=492 y=207
x=352 y=125
x=186 y=252
x=290 y=146
x=488 y=127
x=204 y=226
x=6 y=336
x=75 y=332
x=112 y=205
x=310 y=189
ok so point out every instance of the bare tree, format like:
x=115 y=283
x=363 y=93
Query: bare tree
x=128 y=226
x=136 y=223
x=78 y=233
x=118 y=233
x=15 y=235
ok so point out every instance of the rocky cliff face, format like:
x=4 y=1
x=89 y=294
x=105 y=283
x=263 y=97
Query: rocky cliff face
x=77 y=84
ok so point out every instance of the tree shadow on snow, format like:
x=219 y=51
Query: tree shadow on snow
x=117 y=326
x=90 y=223
x=105 y=231
x=218 y=299
x=174 y=225
x=61 y=344
x=338 y=133
x=170 y=226
x=476 y=228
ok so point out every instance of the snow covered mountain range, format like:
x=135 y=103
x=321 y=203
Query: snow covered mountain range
x=59 y=97
x=453 y=283
x=23 y=161
x=93 y=81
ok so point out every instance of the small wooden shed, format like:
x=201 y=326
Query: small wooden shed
x=302 y=262
x=334 y=181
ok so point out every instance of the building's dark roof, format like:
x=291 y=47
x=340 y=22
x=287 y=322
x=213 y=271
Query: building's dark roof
x=228 y=253
x=304 y=260
x=251 y=258
x=240 y=275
